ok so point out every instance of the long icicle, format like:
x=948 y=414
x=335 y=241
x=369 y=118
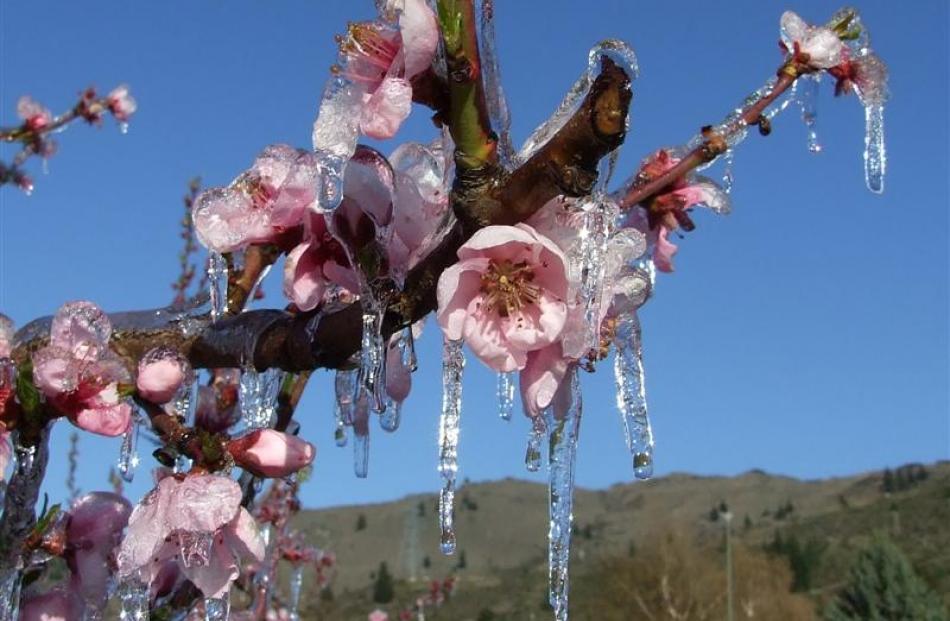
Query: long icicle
x=453 y=363
x=875 y=156
x=562 y=447
x=631 y=395
x=506 y=394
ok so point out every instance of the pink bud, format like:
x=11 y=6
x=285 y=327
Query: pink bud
x=269 y=453
x=160 y=375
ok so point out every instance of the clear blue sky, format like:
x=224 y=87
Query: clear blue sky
x=805 y=334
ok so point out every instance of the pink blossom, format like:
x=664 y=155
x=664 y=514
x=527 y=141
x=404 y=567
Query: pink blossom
x=865 y=74
x=378 y=615
x=422 y=199
x=121 y=104
x=79 y=374
x=198 y=521
x=93 y=531
x=262 y=204
x=382 y=57
x=33 y=113
x=6 y=336
x=316 y=267
x=820 y=45
x=506 y=297
x=160 y=374
x=270 y=453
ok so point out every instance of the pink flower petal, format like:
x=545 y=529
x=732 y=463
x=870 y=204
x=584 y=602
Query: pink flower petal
x=458 y=285
x=541 y=377
x=385 y=109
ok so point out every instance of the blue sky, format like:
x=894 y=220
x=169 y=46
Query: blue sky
x=805 y=334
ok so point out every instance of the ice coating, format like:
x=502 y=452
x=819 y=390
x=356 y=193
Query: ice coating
x=373 y=358
x=562 y=438
x=128 y=455
x=296 y=584
x=631 y=394
x=453 y=364
x=588 y=262
x=617 y=51
x=258 y=397
x=361 y=434
x=491 y=78
x=218 y=608
x=133 y=601
x=808 y=100
x=10 y=582
x=218 y=285
x=532 y=455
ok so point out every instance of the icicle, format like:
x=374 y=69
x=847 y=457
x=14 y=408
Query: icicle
x=345 y=385
x=453 y=363
x=218 y=283
x=631 y=395
x=361 y=436
x=10 y=582
x=588 y=262
x=562 y=439
x=808 y=100
x=875 y=156
x=373 y=357
x=532 y=456
x=296 y=582
x=218 y=609
x=506 y=394
x=258 y=397
x=617 y=51
x=727 y=161
x=335 y=134
x=128 y=456
x=491 y=77
x=133 y=601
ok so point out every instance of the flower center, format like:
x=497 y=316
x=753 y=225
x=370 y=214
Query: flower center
x=508 y=287
x=373 y=44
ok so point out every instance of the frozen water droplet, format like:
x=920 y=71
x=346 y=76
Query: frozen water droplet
x=128 y=455
x=133 y=601
x=562 y=455
x=373 y=358
x=453 y=364
x=10 y=582
x=532 y=456
x=296 y=584
x=631 y=395
x=218 y=609
x=875 y=156
x=506 y=394
x=389 y=420
x=617 y=51
x=258 y=397
x=218 y=284
x=491 y=77
x=123 y=128
x=339 y=434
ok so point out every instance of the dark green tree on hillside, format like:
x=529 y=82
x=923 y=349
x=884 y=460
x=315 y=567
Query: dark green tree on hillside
x=383 y=587
x=884 y=587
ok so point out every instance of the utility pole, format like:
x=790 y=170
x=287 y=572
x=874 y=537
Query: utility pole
x=727 y=519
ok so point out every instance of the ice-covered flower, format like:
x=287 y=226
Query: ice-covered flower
x=422 y=199
x=198 y=521
x=382 y=57
x=160 y=374
x=262 y=204
x=79 y=374
x=271 y=453
x=817 y=46
x=668 y=211
x=34 y=114
x=506 y=297
x=55 y=605
x=866 y=75
x=93 y=531
x=6 y=336
x=121 y=104
x=317 y=266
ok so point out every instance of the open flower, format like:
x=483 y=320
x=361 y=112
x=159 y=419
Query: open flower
x=198 y=521
x=317 y=266
x=260 y=205
x=270 y=453
x=506 y=297
x=34 y=114
x=817 y=46
x=668 y=211
x=866 y=75
x=382 y=57
x=79 y=374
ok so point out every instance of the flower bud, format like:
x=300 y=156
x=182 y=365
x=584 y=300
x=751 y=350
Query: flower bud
x=269 y=453
x=161 y=373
